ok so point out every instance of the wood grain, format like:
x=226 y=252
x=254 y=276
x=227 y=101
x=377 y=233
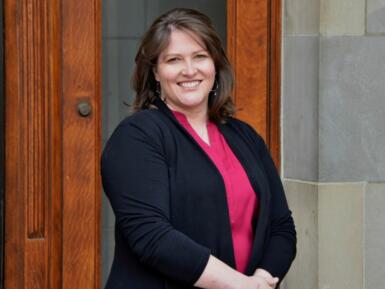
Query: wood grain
x=52 y=61
x=81 y=44
x=31 y=138
x=253 y=43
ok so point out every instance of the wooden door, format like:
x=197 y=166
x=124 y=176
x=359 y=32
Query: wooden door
x=52 y=138
x=52 y=63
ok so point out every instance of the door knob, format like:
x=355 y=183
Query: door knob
x=84 y=108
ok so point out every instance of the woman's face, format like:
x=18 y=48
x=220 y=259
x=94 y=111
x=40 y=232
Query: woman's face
x=186 y=73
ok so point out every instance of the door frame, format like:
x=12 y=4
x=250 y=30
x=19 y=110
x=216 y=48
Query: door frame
x=52 y=184
x=2 y=148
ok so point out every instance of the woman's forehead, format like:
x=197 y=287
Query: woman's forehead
x=183 y=41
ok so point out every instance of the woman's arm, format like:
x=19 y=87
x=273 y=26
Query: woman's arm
x=280 y=250
x=218 y=275
x=136 y=181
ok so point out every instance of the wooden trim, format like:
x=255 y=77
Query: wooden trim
x=31 y=146
x=2 y=147
x=274 y=84
x=253 y=42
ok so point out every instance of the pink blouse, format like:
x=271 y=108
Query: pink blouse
x=241 y=198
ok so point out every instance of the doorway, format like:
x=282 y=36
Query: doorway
x=53 y=111
x=123 y=24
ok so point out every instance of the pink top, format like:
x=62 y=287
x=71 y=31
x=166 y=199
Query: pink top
x=241 y=198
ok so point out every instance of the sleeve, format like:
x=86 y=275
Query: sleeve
x=280 y=249
x=135 y=179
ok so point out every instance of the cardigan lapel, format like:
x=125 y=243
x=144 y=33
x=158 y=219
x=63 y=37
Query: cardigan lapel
x=164 y=109
x=259 y=183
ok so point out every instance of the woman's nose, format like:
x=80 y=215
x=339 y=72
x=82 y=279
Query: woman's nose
x=189 y=69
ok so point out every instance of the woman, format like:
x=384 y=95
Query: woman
x=197 y=199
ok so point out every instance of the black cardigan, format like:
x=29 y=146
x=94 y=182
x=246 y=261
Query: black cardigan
x=170 y=203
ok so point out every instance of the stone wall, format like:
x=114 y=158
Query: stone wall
x=333 y=98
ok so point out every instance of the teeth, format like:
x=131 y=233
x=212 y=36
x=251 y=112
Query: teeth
x=189 y=84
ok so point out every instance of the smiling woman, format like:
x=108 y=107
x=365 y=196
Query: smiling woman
x=197 y=199
x=123 y=26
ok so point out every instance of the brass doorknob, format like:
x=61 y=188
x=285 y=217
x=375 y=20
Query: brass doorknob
x=84 y=108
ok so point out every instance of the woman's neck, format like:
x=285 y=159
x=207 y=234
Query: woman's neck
x=198 y=121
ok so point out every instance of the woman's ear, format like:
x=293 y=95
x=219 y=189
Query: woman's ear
x=155 y=73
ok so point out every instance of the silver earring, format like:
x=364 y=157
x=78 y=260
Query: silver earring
x=215 y=89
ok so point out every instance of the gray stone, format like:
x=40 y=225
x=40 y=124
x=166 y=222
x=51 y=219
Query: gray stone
x=351 y=108
x=374 y=236
x=340 y=235
x=301 y=17
x=303 y=201
x=300 y=108
x=375 y=19
x=342 y=17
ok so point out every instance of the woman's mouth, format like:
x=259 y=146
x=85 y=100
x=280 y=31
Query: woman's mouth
x=189 y=84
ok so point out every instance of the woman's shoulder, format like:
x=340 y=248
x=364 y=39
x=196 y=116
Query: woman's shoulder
x=245 y=129
x=147 y=118
x=145 y=125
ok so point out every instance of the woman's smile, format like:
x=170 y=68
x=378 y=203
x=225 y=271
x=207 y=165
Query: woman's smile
x=189 y=84
x=186 y=73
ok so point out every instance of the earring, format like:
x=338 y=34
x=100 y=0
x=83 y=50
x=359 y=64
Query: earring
x=157 y=89
x=215 y=89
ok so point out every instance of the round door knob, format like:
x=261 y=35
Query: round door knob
x=84 y=108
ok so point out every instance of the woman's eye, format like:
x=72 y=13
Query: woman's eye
x=201 y=56
x=174 y=59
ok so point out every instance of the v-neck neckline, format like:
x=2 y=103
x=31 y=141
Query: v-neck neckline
x=181 y=117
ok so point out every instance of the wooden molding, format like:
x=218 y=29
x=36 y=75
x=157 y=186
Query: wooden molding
x=254 y=51
x=274 y=81
x=32 y=175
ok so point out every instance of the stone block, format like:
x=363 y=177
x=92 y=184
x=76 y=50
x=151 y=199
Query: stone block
x=341 y=244
x=303 y=201
x=301 y=17
x=375 y=18
x=351 y=106
x=300 y=107
x=343 y=17
x=374 y=236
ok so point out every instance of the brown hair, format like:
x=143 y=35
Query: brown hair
x=156 y=39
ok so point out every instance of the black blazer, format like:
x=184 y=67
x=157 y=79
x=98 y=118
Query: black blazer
x=170 y=203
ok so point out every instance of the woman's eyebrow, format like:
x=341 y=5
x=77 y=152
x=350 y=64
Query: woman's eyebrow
x=179 y=54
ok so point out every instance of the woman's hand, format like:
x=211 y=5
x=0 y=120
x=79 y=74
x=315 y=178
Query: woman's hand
x=252 y=282
x=218 y=275
x=267 y=277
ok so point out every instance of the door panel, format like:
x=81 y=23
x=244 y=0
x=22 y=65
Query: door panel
x=52 y=153
x=81 y=46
